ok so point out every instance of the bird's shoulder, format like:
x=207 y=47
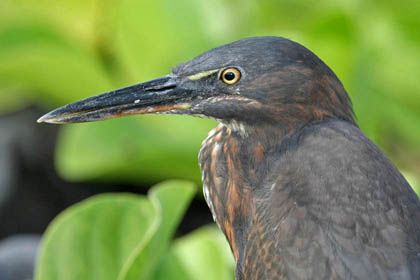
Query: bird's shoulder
x=336 y=155
x=338 y=209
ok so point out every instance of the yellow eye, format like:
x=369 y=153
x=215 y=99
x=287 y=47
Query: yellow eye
x=231 y=76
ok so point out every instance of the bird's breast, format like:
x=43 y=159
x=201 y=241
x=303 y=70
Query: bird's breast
x=226 y=189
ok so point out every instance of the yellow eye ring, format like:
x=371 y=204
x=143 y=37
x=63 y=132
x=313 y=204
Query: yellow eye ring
x=231 y=76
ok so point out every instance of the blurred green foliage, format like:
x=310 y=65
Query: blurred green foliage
x=54 y=52
x=124 y=236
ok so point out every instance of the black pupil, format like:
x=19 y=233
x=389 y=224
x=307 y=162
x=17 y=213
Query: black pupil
x=229 y=76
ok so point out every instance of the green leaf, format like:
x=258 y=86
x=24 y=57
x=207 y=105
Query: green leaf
x=40 y=61
x=113 y=236
x=203 y=254
x=133 y=149
x=171 y=200
x=150 y=42
x=75 y=19
x=413 y=181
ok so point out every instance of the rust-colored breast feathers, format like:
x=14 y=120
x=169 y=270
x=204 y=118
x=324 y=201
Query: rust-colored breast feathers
x=225 y=186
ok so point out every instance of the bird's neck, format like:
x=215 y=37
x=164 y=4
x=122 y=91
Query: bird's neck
x=233 y=160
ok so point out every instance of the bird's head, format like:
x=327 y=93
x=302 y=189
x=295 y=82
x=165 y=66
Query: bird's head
x=255 y=80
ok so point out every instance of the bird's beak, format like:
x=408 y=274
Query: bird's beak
x=159 y=95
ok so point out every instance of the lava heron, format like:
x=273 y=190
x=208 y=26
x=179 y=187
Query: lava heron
x=299 y=191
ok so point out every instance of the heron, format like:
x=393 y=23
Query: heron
x=299 y=191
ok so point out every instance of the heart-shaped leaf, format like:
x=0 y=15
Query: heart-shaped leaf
x=113 y=236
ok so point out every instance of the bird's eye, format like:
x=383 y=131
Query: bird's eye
x=231 y=76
